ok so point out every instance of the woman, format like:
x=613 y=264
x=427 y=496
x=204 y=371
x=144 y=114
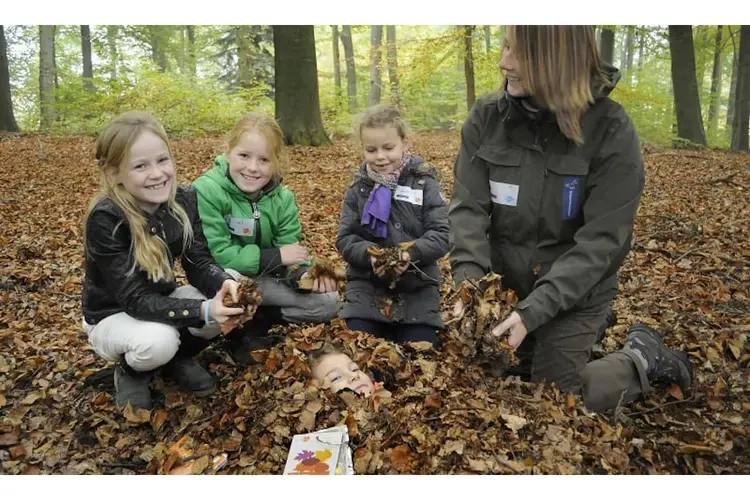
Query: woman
x=546 y=187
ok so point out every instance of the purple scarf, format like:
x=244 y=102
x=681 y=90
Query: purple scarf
x=378 y=207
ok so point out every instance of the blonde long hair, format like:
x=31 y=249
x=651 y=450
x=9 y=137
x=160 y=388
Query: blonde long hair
x=558 y=65
x=270 y=130
x=112 y=155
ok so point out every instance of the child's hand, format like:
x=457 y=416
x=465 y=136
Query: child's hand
x=293 y=254
x=379 y=271
x=217 y=310
x=401 y=268
x=323 y=285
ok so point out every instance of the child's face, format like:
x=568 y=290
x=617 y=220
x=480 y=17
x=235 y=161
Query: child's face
x=149 y=172
x=383 y=148
x=337 y=371
x=249 y=163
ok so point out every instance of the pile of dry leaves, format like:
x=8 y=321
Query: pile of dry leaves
x=687 y=275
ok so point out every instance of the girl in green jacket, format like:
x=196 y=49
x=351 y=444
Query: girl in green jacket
x=251 y=222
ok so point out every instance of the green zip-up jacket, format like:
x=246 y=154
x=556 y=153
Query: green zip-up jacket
x=553 y=218
x=238 y=229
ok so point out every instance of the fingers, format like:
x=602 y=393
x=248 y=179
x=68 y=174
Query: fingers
x=501 y=329
x=233 y=288
x=458 y=307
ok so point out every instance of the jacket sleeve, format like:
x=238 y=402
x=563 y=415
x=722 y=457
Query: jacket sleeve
x=615 y=185
x=244 y=259
x=470 y=207
x=289 y=228
x=108 y=244
x=200 y=267
x=350 y=241
x=433 y=244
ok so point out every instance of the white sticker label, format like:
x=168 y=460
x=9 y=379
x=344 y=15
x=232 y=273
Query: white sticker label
x=405 y=193
x=241 y=227
x=504 y=194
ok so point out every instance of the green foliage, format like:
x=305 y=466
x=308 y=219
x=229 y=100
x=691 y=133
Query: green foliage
x=185 y=106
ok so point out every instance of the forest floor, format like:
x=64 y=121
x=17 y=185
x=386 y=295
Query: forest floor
x=688 y=275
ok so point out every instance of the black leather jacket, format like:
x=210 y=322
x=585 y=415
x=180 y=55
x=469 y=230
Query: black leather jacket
x=109 y=289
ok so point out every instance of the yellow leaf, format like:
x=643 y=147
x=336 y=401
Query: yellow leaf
x=139 y=416
x=3 y=401
x=323 y=455
x=32 y=398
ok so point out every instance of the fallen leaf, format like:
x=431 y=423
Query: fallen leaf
x=4 y=366
x=3 y=401
x=158 y=418
x=136 y=416
x=31 y=470
x=8 y=439
x=17 y=452
x=33 y=398
x=675 y=391
x=513 y=422
x=478 y=465
x=452 y=446
x=402 y=459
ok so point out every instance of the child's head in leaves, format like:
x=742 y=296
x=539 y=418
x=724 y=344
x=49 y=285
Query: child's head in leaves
x=338 y=372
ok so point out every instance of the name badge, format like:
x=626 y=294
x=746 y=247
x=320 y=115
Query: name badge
x=405 y=193
x=571 y=188
x=240 y=227
x=504 y=194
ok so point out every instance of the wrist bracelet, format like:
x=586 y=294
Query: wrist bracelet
x=205 y=314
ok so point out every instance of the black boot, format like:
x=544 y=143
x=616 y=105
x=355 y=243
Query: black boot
x=253 y=336
x=185 y=370
x=662 y=364
x=132 y=386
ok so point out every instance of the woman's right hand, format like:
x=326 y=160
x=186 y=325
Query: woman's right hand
x=293 y=254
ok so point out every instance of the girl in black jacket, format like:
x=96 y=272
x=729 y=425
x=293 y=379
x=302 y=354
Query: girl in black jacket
x=395 y=198
x=134 y=312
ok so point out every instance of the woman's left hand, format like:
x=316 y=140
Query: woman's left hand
x=515 y=329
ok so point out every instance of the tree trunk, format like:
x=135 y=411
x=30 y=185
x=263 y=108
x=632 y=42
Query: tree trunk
x=641 y=47
x=469 y=67
x=487 y=39
x=190 y=59
x=713 y=109
x=376 y=53
x=46 y=76
x=88 y=69
x=608 y=45
x=158 y=49
x=390 y=37
x=630 y=45
x=685 y=85
x=112 y=46
x=741 y=122
x=336 y=59
x=351 y=69
x=181 y=56
x=244 y=62
x=54 y=58
x=7 y=119
x=732 y=82
x=296 y=77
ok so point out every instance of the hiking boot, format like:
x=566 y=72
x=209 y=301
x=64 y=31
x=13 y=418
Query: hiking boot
x=191 y=376
x=610 y=320
x=662 y=364
x=132 y=387
x=244 y=341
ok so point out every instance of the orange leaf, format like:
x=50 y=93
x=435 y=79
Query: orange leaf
x=675 y=391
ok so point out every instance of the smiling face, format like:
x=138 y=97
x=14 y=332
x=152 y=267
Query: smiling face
x=383 y=148
x=250 y=165
x=510 y=65
x=337 y=372
x=148 y=172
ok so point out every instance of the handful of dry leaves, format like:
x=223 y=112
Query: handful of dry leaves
x=249 y=297
x=477 y=307
x=389 y=260
x=321 y=268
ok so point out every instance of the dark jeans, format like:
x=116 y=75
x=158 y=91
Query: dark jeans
x=394 y=332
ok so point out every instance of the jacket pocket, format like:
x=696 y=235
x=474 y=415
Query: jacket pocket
x=566 y=184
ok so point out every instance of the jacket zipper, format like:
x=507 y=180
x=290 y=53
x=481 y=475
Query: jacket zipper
x=256 y=218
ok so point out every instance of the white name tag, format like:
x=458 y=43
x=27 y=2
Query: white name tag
x=405 y=193
x=504 y=194
x=240 y=227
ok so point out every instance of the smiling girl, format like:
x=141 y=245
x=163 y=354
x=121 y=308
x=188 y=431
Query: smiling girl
x=252 y=225
x=135 y=228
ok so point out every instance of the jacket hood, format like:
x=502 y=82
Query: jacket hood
x=601 y=89
x=220 y=175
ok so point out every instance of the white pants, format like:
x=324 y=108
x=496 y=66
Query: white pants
x=146 y=345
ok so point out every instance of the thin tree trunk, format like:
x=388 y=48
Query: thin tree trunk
x=608 y=45
x=351 y=69
x=54 y=57
x=7 y=119
x=181 y=58
x=88 y=70
x=732 y=82
x=296 y=77
x=469 y=66
x=46 y=76
x=741 y=122
x=685 y=85
x=630 y=43
x=641 y=48
x=112 y=46
x=190 y=56
x=390 y=36
x=713 y=109
x=376 y=54
x=336 y=61
x=158 y=49
x=244 y=65
x=487 y=39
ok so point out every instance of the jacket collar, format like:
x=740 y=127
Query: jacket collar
x=220 y=174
